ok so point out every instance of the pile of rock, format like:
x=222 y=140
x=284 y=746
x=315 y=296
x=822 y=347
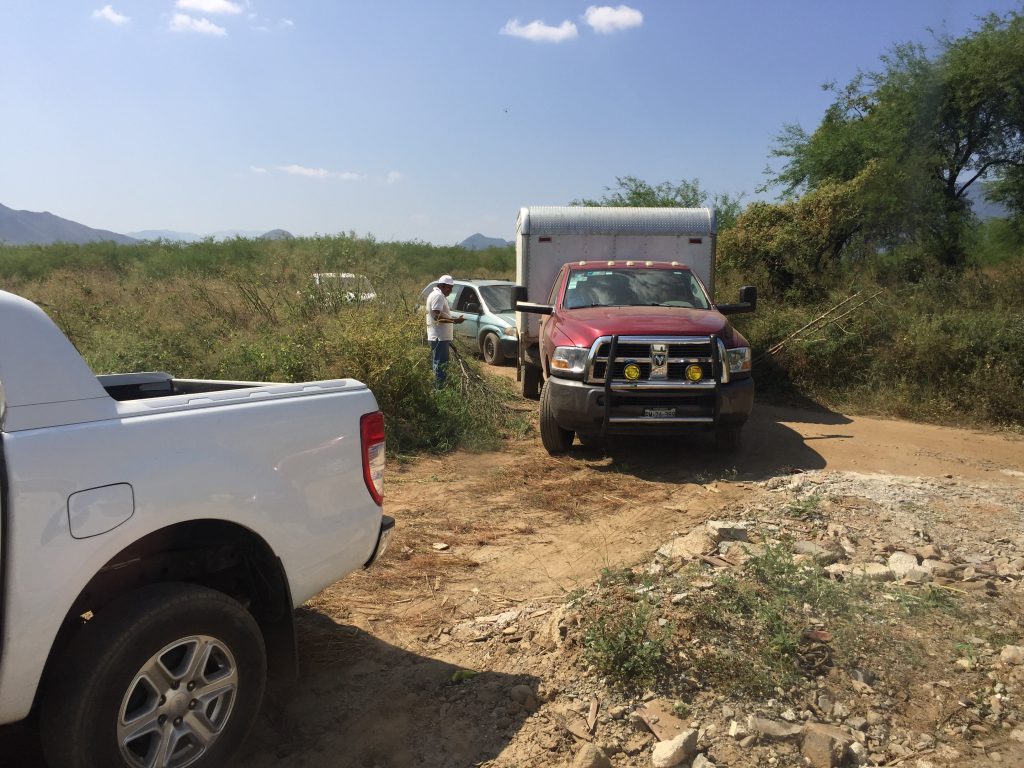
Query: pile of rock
x=856 y=527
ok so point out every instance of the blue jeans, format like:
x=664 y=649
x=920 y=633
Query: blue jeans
x=439 y=360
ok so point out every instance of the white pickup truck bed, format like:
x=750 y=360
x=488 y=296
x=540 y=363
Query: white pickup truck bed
x=116 y=485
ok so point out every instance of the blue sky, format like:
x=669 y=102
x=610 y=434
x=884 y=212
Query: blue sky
x=407 y=119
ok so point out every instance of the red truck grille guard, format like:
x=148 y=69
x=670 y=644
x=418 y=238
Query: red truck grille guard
x=659 y=366
x=669 y=372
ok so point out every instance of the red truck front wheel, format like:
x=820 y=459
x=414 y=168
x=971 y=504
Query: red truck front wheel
x=554 y=438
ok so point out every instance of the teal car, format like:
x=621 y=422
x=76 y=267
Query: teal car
x=490 y=323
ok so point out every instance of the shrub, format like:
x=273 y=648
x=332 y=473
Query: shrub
x=621 y=637
x=948 y=348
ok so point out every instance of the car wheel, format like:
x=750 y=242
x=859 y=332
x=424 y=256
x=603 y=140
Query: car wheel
x=554 y=438
x=169 y=676
x=490 y=348
x=531 y=381
x=727 y=439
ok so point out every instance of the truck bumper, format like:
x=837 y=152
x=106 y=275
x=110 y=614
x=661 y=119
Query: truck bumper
x=581 y=407
x=387 y=529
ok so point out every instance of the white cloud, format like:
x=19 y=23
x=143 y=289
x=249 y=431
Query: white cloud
x=257 y=169
x=210 y=6
x=107 y=13
x=287 y=23
x=301 y=170
x=182 y=23
x=394 y=177
x=319 y=173
x=539 y=32
x=604 y=19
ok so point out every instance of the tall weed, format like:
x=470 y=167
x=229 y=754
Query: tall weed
x=947 y=348
x=257 y=322
x=938 y=347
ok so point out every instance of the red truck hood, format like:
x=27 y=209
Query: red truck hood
x=583 y=326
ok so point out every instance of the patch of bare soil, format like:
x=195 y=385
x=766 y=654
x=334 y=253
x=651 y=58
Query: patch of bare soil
x=490 y=547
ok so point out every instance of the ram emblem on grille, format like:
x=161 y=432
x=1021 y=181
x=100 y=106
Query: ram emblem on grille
x=659 y=360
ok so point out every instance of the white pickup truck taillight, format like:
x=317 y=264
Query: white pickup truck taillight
x=371 y=433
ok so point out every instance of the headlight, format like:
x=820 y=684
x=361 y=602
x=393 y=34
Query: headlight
x=739 y=359
x=510 y=331
x=569 y=361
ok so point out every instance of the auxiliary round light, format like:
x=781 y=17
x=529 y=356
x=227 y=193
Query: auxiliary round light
x=694 y=372
x=631 y=371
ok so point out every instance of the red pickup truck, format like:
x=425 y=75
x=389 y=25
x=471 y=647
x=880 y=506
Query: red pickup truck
x=630 y=346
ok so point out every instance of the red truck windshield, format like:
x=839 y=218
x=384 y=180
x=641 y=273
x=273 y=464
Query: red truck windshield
x=634 y=288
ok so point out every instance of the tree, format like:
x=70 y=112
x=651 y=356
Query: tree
x=629 y=192
x=931 y=127
x=990 y=68
x=797 y=243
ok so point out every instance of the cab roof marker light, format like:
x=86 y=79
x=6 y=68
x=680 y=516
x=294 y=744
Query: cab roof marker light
x=675 y=263
x=648 y=263
x=632 y=263
x=611 y=263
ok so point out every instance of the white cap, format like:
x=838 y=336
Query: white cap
x=445 y=280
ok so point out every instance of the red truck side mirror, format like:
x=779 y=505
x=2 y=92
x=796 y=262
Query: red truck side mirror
x=535 y=309
x=520 y=304
x=747 y=302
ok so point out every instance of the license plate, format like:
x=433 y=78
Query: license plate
x=659 y=413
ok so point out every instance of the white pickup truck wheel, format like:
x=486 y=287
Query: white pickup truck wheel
x=170 y=677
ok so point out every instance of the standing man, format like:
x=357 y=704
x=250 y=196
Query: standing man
x=439 y=327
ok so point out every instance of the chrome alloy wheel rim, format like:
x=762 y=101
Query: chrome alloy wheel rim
x=178 y=704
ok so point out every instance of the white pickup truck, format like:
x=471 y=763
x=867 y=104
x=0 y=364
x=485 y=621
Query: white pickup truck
x=156 y=535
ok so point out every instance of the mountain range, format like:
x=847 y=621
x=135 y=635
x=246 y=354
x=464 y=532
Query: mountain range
x=478 y=242
x=191 y=237
x=30 y=228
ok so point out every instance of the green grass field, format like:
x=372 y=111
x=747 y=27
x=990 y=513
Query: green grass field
x=946 y=349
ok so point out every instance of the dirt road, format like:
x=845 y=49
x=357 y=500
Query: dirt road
x=482 y=534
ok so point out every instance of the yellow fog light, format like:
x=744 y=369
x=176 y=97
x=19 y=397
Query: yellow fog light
x=694 y=372
x=631 y=371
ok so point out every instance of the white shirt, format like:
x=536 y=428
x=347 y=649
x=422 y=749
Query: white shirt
x=438 y=302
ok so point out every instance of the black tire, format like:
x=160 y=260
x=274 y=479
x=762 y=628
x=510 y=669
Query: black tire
x=555 y=439
x=490 y=348
x=187 y=661
x=531 y=381
x=727 y=439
